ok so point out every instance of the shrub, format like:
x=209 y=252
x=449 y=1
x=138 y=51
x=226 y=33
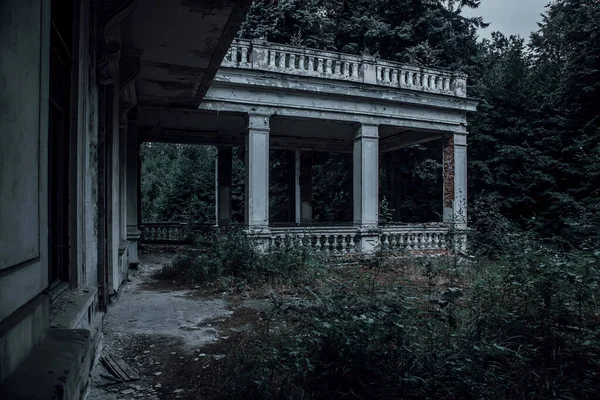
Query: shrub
x=235 y=257
x=523 y=326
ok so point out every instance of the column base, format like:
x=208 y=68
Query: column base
x=458 y=238
x=260 y=236
x=133 y=235
x=368 y=240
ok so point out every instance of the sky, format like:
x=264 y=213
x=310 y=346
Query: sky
x=511 y=17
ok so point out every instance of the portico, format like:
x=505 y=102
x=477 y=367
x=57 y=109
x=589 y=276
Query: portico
x=268 y=96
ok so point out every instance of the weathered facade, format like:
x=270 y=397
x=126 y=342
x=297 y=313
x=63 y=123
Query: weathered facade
x=71 y=77
x=81 y=85
x=270 y=96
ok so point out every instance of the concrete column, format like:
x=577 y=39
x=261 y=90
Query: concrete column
x=366 y=186
x=133 y=178
x=257 y=173
x=224 y=179
x=366 y=176
x=303 y=185
x=460 y=181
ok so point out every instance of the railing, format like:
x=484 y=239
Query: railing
x=346 y=239
x=265 y=56
x=171 y=232
x=414 y=237
x=328 y=240
x=325 y=240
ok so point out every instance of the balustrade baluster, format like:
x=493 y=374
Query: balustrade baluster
x=271 y=58
x=330 y=244
x=436 y=241
x=392 y=241
x=301 y=62
x=395 y=76
x=234 y=54
x=320 y=65
x=338 y=67
x=378 y=74
x=447 y=84
x=318 y=244
x=342 y=244
x=351 y=245
x=385 y=245
x=354 y=70
x=345 y=69
x=328 y=67
x=345 y=244
x=311 y=64
x=292 y=61
x=244 y=55
x=335 y=245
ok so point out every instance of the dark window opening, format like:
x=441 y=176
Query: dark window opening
x=61 y=39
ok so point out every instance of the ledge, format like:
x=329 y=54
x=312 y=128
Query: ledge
x=55 y=369
x=70 y=311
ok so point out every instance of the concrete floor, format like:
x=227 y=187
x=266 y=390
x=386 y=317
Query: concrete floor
x=151 y=327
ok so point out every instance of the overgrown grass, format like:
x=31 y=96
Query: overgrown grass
x=524 y=326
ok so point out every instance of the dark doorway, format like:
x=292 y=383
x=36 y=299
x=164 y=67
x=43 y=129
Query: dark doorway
x=61 y=46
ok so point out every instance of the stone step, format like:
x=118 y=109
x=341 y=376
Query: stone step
x=57 y=368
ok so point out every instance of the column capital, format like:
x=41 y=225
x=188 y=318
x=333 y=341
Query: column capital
x=367 y=131
x=460 y=139
x=258 y=122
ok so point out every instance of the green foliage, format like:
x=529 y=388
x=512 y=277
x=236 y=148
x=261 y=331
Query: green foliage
x=523 y=327
x=234 y=260
x=332 y=187
x=175 y=179
x=402 y=30
x=535 y=139
x=386 y=214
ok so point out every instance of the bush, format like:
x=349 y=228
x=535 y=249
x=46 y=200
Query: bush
x=524 y=326
x=235 y=257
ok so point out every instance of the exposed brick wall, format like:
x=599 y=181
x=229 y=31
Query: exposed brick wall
x=448 y=170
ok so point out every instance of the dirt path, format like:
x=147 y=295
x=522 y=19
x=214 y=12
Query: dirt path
x=162 y=333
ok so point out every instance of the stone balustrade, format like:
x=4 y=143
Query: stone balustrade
x=170 y=232
x=414 y=237
x=323 y=240
x=301 y=61
x=345 y=240
x=327 y=240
